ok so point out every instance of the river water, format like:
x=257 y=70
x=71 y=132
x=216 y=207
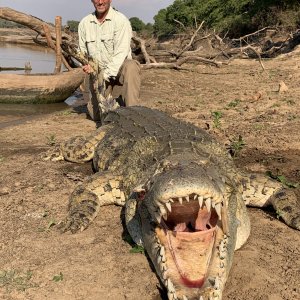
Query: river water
x=42 y=60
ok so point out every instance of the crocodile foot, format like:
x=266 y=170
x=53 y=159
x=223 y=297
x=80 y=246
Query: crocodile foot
x=287 y=207
x=74 y=223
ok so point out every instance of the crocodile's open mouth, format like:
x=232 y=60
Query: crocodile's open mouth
x=187 y=235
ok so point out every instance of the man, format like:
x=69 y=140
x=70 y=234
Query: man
x=105 y=36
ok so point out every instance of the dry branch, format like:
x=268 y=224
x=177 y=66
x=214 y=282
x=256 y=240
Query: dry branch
x=250 y=34
x=177 y=65
x=142 y=44
x=187 y=47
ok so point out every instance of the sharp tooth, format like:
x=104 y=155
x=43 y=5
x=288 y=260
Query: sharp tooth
x=195 y=196
x=163 y=268
x=164 y=275
x=157 y=217
x=170 y=286
x=180 y=200
x=217 y=284
x=208 y=204
x=168 y=205
x=171 y=296
x=165 y=217
x=184 y=297
x=187 y=198
x=158 y=259
x=200 y=200
x=222 y=247
x=171 y=200
x=213 y=203
x=163 y=211
x=225 y=224
x=218 y=208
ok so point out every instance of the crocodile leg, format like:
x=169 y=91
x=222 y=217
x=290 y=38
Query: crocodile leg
x=98 y=190
x=261 y=191
x=77 y=149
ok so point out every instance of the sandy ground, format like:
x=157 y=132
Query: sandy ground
x=236 y=100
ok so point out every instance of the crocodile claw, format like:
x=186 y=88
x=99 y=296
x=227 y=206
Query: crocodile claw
x=74 y=223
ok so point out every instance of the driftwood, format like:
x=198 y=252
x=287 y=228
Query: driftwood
x=176 y=58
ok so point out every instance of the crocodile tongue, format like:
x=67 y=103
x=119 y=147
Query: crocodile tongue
x=200 y=224
x=188 y=248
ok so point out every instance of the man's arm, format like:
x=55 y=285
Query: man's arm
x=82 y=46
x=82 y=38
x=122 y=40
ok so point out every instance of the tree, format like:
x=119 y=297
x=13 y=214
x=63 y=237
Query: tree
x=137 y=24
x=235 y=17
x=161 y=26
x=73 y=25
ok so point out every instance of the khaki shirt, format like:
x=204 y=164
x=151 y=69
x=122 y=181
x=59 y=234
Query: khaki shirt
x=107 y=42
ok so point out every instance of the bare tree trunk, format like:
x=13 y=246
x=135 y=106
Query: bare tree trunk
x=30 y=22
x=58 y=43
x=52 y=45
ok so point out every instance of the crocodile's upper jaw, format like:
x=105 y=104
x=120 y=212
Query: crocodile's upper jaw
x=188 y=239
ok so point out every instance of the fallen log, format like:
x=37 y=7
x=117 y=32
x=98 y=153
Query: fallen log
x=29 y=21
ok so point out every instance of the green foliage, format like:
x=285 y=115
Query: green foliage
x=236 y=17
x=140 y=27
x=282 y=179
x=73 y=25
x=137 y=24
x=59 y=277
x=9 y=24
x=234 y=103
x=216 y=115
x=137 y=249
x=161 y=26
x=51 y=140
x=15 y=280
x=236 y=145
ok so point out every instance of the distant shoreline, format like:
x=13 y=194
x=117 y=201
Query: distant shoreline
x=17 y=36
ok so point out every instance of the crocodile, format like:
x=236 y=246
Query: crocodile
x=185 y=200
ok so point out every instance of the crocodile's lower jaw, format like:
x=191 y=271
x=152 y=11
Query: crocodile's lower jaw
x=190 y=260
x=192 y=264
x=188 y=255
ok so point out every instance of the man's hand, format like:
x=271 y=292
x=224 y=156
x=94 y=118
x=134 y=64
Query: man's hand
x=87 y=69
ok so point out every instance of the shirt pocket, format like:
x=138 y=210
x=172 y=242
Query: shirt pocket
x=107 y=41
x=91 y=47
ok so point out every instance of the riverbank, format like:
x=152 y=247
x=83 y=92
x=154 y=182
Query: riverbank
x=235 y=103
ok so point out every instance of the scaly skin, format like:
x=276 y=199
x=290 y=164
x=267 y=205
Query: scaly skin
x=185 y=200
